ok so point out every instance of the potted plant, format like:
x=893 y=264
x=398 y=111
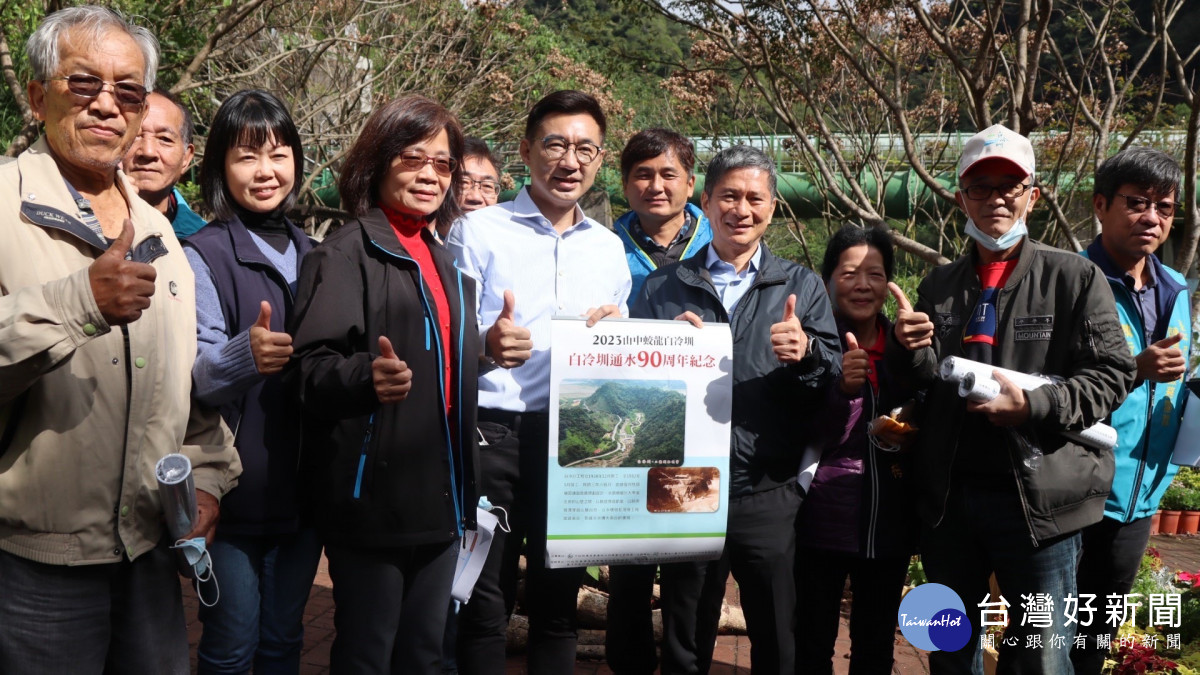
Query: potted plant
x=1189 y=520
x=1172 y=506
x=1154 y=522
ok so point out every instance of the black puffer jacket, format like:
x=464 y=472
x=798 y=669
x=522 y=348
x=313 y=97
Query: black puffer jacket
x=1055 y=316
x=773 y=404
x=383 y=475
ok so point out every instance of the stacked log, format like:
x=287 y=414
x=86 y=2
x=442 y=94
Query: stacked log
x=592 y=612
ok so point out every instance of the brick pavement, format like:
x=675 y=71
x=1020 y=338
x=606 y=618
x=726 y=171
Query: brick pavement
x=731 y=656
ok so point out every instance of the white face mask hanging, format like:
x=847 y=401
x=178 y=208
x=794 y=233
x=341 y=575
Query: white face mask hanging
x=1004 y=241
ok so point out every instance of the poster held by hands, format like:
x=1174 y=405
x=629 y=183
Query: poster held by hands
x=638 y=462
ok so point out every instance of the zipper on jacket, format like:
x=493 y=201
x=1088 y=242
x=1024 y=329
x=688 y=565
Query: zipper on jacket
x=362 y=458
x=437 y=341
x=873 y=520
x=128 y=407
x=1012 y=441
x=461 y=503
x=1145 y=442
x=758 y=283
x=1021 y=489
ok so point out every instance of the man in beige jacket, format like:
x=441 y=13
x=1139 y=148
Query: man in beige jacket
x=97 y=339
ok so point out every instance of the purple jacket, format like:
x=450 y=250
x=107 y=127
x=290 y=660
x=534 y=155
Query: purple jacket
x=859 y=501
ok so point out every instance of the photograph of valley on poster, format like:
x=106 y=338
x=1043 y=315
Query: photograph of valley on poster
x=621 y=423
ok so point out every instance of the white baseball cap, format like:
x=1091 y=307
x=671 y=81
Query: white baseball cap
x=997 y=142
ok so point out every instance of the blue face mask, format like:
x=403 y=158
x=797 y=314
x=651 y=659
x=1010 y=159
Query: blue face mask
x=200 y=560
x=1001 y=243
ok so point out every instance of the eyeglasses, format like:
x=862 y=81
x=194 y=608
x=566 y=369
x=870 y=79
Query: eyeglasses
x=127 y=94
x=555 y=148
x=413 y=161
x=981 y=191
x=1135 y=204
x=487 y=186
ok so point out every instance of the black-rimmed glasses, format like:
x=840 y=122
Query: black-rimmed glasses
x=556 y=148
x=982 y=191
x=128 y=94
x=487 y=186
x=1136 y=204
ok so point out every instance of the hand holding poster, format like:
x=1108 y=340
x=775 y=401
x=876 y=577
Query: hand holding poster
x=639 y=442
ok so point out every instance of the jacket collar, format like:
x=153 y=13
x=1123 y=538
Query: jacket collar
x=47 y=202
x=770 y=269
x=377 y=228
x=245 y=250
x=378 y=231
x=45 y=199
x=1096 y=253
x=1025 y=257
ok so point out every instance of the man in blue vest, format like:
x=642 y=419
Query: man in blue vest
x=661 y=227
x=159 y=157
x=1135 y=200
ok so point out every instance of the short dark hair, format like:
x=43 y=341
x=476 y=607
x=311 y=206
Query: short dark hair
x=565 y=102
x=738 y=157
x=850 y=236
x=387 y=133
x=250 y=117
x=478 y=148
x=650 y=143
x=188 y=129
x=1146 y=168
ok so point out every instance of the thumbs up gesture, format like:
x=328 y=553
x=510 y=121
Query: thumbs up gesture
x=855 y=366
x=122 y=288
x=788 y=339
x=391 y=376
x=508 y=344
x=271 y=350
x=913 y=329
x=1162 y=361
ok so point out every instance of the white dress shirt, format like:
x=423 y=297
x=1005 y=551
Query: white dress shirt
x=512 y=246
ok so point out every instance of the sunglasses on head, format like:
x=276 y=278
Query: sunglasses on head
x=127 y=94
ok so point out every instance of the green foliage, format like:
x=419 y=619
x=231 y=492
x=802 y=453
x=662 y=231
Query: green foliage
x=916 y=571
x=630 y=44
x=623 y=399
x=1188 y=477
x=581 y=429
x=1174 y=498
x=579 y=435
x=660 y=437
x=1152 y=576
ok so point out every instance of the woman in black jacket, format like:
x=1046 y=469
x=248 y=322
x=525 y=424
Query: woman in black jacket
x=386 y=356
x=858 y=519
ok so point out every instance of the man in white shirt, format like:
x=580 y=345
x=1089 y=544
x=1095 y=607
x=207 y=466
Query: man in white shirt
x=534 y=257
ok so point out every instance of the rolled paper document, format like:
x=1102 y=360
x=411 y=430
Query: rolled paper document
x=982 y=389
x=976 y=389
x=177 y=491
x=953 y=369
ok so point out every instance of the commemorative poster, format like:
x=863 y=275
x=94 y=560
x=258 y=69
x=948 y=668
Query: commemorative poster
x=639 y=441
